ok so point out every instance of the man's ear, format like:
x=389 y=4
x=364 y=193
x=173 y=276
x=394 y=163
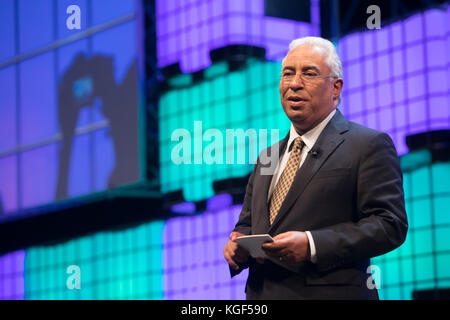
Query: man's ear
x=337 y=88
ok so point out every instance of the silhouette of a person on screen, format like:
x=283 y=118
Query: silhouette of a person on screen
x=84 y=81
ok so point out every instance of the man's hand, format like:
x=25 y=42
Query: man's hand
x=291 y=247
x=234 y=253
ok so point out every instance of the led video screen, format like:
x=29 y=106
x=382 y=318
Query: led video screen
x=69 y=100
x=394 y=81
x=188 y=30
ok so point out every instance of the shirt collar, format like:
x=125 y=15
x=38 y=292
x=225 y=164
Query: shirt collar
x=310 y=137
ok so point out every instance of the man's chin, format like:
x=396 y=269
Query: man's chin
x=296 y=115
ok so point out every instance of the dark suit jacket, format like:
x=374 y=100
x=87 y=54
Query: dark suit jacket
x=349 y=195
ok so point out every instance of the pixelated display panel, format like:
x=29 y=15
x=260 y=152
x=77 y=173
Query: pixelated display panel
x=182 y=258
x=12 y=276
x=393 y=100
x=423 y=261
x=69 y=101
x=384 y=88
x=188 y=30
x=178 y=259
x=123 y=264
x=198 y=117
x=194 y=266
x=397 y=78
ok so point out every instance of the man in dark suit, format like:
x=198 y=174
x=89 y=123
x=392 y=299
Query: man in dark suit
x=334 y=200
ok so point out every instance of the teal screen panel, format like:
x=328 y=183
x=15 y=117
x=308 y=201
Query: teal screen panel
x=122 y=264
x=423 y=261
x=214 y=129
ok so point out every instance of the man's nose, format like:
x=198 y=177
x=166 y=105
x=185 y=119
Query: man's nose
x=297 y=82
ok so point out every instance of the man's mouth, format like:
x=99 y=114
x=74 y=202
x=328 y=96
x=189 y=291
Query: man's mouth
x=296 y=98
x=296 y=101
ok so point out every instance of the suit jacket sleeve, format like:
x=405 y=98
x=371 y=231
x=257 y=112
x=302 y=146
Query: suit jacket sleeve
x=381 y=225
x=244 y=224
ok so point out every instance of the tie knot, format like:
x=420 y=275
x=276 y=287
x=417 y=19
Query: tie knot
x=297 y=144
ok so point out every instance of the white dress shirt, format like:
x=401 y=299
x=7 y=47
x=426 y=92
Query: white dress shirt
x=309 y=139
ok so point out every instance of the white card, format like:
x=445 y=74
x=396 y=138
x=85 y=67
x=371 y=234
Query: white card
x=253 y=244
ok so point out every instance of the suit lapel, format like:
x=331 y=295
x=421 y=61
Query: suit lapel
x=328 y=141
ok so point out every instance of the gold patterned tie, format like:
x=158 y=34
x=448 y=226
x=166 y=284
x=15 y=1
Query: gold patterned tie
x=285 y=181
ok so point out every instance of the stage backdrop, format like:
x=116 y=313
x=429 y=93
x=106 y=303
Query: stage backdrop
x=182 y=257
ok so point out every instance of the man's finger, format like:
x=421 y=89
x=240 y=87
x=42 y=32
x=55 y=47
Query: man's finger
x=233 y=264
x=235 y=254
x=228 y=256
x=234 y=235
x=274 y=246
x=282 y=235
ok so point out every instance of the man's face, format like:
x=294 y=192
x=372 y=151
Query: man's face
x=307 y=94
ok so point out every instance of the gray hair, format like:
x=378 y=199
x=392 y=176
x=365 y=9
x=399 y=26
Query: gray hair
x=332 y=59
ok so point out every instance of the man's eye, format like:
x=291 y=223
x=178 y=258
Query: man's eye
x=310 y=74
x=287 y=74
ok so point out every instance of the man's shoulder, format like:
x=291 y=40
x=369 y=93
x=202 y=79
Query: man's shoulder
x=365 y=139
x=362 y=132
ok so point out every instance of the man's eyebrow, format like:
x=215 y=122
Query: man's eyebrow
x=288 y=68
x=305 y=68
